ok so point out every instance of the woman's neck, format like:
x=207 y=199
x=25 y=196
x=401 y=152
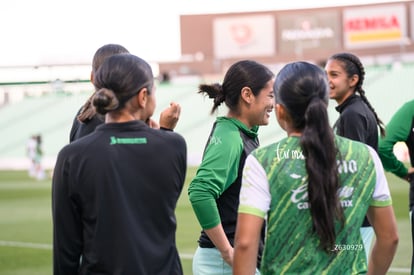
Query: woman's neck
x=294 y=134
x=121 y=116
x=240 y=118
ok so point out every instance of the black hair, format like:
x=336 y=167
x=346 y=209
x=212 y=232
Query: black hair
x=353 y=66
x=302 y=88
x=88 y=112
x=118 y=79
x=244 y=73
x=104 y=52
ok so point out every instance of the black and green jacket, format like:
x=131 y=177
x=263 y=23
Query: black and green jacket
x=214 y=191
x=399 y=129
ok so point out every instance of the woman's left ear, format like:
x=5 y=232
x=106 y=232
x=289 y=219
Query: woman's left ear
x=354 y=80
x=142 y=97
x=247 y=94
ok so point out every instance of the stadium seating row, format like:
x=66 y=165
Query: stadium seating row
x=51 y=114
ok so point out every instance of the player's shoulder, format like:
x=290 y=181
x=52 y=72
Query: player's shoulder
x=349 y=147
x=169 y=135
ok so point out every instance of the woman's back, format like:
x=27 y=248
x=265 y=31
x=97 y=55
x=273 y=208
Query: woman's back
x=114 y=191
x=126 y=178
x=314 y=189
x=292 y=244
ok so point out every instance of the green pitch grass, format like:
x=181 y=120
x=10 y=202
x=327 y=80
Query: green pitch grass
x=26 y=226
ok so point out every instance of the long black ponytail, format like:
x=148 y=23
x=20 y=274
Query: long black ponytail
x=302 y=88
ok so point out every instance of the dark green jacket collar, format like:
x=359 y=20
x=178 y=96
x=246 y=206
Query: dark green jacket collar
x=253 y=132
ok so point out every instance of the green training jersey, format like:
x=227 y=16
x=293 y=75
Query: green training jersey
x=214 y=191
x=274 y=187
x=399 y=129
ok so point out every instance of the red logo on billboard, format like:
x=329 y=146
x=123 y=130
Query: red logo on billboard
x=372 y=23
x=241 y=33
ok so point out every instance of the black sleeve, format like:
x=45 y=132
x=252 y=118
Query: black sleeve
x=180 y=145
x=74 y=129
x=67 y=229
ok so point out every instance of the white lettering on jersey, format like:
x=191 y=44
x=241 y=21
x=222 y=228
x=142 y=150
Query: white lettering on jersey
x=300 y=196
x=347 y=166
x=288 y=154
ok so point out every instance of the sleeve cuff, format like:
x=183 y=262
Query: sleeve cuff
x=207 y=213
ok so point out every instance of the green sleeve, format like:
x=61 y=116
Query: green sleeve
x=216 y=173
x=397 y=130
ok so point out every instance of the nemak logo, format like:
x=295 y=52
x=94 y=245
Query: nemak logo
x=300 y=196
x=307 y=31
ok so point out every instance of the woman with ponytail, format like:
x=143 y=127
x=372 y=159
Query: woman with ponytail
x=358 y=119
x=87 y=118
x=114 y=191
x=247 y=91
x=314 y=189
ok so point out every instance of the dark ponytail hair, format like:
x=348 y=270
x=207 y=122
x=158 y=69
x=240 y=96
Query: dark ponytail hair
x=244 y=73
x=352 y=66
x=118 y=79
x=302 y=88
x=88 y=112
x=214 y=91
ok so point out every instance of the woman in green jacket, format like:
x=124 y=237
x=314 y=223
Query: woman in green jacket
x=400 y=129
x=247 y=91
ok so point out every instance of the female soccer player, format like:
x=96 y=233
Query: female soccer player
x=358 y=119
x=314 y=188
x=115 y=190
x=247 y=91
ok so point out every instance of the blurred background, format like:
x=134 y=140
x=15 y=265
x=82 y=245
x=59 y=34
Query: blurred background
x=45 y=62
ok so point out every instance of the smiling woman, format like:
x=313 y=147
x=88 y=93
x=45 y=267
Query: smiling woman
x=247 y=92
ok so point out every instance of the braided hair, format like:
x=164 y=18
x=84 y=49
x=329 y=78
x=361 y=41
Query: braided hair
x=353 y=65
